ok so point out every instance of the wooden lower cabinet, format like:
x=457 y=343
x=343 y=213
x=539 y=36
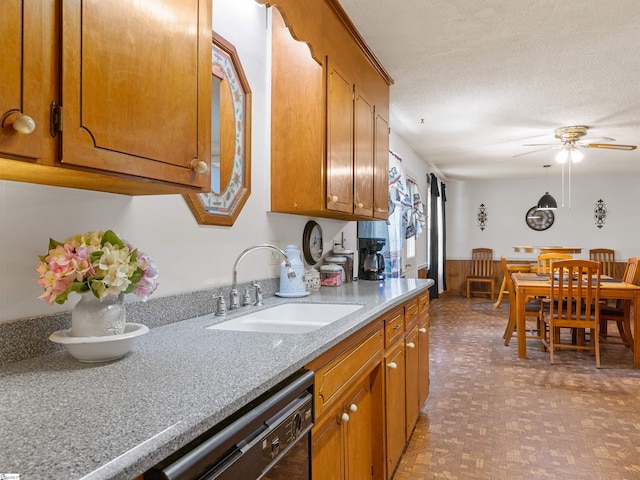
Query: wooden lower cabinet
x=423 y=348
x=412 y=380
x=342 y=447
x=368 y=394
x=395 y=405
x=423 y=359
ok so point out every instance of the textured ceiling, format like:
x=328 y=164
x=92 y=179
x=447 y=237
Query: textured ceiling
x=475 y=80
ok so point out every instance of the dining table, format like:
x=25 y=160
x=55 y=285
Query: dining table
x=546 y=249
x=528 y=285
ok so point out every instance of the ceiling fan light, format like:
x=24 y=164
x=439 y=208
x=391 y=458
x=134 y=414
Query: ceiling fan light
x=576 y=155
x=562 y=156
x=547 y=202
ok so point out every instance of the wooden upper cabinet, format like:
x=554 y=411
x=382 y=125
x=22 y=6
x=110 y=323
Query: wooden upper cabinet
x=363 y=159
x=329 y=105
x=21 y=67
x=129 y=83
x=339 y=141
x=381 y=168
x=136 y=88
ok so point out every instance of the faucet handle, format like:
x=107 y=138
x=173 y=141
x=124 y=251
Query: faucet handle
x=246 y=298
x=258 y=289
x=233 y=299
x=222 y=305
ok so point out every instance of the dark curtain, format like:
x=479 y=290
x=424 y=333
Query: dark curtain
x=443 y=189
x=433 y=240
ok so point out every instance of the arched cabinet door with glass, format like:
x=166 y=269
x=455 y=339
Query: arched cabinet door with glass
x=230 y=141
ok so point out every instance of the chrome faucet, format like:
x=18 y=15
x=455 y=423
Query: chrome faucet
x=233 y=295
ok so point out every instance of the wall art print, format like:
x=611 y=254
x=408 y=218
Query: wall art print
x=600 y=213
x=482 y=216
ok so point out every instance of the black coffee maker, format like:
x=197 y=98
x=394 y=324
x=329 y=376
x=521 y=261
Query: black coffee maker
x=370 y=260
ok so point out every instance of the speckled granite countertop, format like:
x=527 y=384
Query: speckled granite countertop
x=60 y=418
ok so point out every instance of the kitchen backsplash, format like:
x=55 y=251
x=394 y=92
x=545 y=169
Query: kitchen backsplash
x=29 y=337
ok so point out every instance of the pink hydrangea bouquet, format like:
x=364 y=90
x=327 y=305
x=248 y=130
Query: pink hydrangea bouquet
x=96 y=261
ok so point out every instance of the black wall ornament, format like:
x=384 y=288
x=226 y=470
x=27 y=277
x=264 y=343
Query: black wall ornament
x=482 y=216
x=600 y=213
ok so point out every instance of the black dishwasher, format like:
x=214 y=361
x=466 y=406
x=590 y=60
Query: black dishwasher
x=268 y=439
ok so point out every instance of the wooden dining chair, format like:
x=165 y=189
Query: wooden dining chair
x=606 y=258
x=481 y=271
x=620 y=312
x=574 y=303
x=531 y=309
x=546 y=259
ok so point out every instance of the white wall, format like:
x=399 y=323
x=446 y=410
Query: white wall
x=507 y=202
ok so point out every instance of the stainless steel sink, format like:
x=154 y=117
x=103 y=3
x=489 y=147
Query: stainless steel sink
x=289 y=318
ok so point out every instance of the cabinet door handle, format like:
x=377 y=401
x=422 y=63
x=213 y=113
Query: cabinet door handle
x=345 y=417
x=333 y=198
x=23 y=124
x=353 y=407
x=422 y=330
x=397 y=327
x=411 y=345
x=379 y=210
x=359 y=205
x=199 y=166
x=392 y=365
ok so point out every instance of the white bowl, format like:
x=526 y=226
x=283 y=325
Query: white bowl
x=99 y=349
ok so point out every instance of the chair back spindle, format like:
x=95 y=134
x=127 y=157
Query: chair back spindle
x=606 y=258
x=546 y=259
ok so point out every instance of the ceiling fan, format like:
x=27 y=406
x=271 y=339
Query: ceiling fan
x=571 y=139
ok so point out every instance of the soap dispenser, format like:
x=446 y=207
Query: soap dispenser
x=292 y=287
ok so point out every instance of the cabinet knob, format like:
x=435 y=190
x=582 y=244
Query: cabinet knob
x=380 y=210
x=333 y=198
x=24 y=124
x=392 y=365
x=359 y=205
x=353 y=407
x=422 y=330
x=411 y=345
x=199 y=166
x=345 y=417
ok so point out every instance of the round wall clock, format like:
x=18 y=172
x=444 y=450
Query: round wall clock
x=539 y=220
x=312 y=242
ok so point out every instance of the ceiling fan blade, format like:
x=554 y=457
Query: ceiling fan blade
x=532 y=151
x=541 y=144
x=596 y=140
x=611 y=146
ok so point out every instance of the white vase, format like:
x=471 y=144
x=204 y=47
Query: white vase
x=92 y=317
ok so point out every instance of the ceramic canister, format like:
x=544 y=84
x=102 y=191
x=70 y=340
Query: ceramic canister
x=295 y=284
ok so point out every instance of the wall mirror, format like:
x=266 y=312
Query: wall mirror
x=230 y=140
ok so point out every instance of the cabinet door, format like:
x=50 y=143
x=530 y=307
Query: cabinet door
x=136 y=88
x=423 y=366
x=395 y=414
x=359 y=434
x=339 y=141
x=21 y=64
x=381 y=169
x=363 y=156
x=327 y=457
x=412 y=401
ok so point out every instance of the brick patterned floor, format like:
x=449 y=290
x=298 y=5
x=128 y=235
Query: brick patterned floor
x=492 y=416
